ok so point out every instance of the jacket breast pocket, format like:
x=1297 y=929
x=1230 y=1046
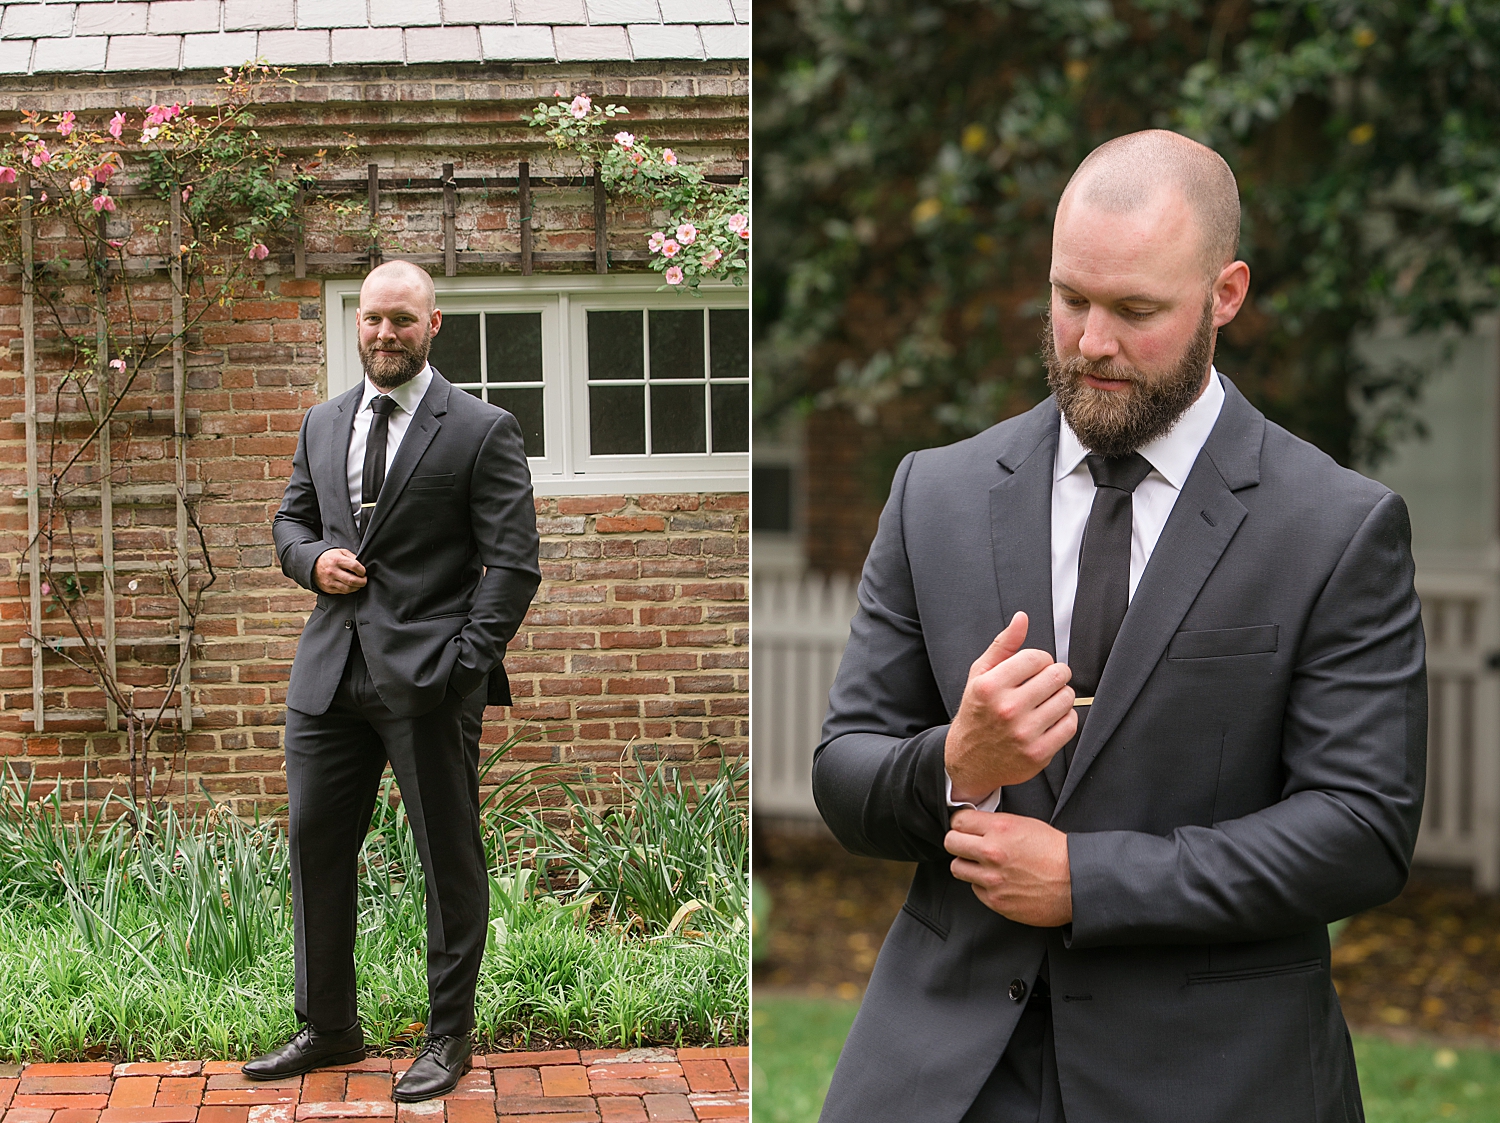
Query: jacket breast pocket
x=1219 y=643
x=430 y=483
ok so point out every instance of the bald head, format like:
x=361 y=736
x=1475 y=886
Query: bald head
x=1132 y=172
x=397 y=276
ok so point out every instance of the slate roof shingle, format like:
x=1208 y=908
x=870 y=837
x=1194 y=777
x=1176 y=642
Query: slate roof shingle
x=44 y=36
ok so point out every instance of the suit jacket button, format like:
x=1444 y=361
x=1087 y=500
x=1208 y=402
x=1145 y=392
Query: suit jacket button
x=1017 y=990
x=348 y=623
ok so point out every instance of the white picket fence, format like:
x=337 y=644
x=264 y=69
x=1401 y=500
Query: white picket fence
x=800 y=625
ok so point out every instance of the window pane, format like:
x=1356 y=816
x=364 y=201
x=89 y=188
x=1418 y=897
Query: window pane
x=676 y=345
x=526 y=404
x=513 y=343
x=617 y=418
x=729 y=342
x=616 y=346
x=677 y=419
x=731 y=417
x=455 y=348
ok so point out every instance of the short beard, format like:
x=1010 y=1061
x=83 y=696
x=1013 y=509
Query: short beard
x=1119 y=422
x=387 y=371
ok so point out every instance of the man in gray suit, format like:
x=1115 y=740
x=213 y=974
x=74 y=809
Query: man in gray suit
x=1131 y=834
x=409 y=512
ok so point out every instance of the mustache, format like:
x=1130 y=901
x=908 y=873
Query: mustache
x=1102 y=369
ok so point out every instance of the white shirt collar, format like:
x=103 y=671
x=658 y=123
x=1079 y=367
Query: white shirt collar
x=408 y=395
x=1171 y=455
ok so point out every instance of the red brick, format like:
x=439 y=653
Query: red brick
x=708 y=1076
x=250 y=1096
x=669 y=1108
x=28 y=1115
x=61 y=1085
x=53 y=1103
x=324 y=1087
x=517 y=1082
x=76 y=1115
x=564 y=1080
x=159 y=1068
x=589 y=1116
x=634 y=524
x=133 y=1091
x=273 y=1113
x=370 y=1086
x=180 y=1090
x=223 y=1114
x=343 y=1109
x=70 y=1068
x=182 y=1114
x=7 y=1090
x=531 y=1060
x=720 y=1105
x=550 y=1106
x=739 y=1068
x=622 y=1109
x=471 y=1111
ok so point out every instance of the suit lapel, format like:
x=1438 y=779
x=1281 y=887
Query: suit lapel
x=1021 y=530
x=1198 y=531
x=335 y=474
x=419 y=434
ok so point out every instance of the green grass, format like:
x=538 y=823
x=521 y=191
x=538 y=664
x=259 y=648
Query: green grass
x=796 y=1042
x=156 y=937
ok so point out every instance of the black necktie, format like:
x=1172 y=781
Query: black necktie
x=374 y=474
x=1103 y=575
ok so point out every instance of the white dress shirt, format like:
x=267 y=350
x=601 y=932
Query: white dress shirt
x=1171 y=458
x=408 y=396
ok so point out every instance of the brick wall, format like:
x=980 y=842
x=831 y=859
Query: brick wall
x=637 y=640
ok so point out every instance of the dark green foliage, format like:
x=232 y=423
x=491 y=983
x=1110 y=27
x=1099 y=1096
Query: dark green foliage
x=910 y=156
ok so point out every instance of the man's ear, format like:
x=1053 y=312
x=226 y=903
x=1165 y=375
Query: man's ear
x=437 y=321
x=1231 y=287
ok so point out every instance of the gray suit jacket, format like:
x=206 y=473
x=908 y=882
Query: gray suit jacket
x=1252 y=769
x=450 y=552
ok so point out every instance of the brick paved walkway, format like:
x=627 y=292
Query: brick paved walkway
x=557 y=1086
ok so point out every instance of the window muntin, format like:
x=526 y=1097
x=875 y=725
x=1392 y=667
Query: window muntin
x=497 y=356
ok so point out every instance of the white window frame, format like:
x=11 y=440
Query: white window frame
x=564 y=301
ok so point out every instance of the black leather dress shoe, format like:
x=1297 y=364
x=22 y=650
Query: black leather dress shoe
x=436 y=1071
x=308 y=1050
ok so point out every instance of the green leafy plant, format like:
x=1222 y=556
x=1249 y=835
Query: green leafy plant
x=706 y=233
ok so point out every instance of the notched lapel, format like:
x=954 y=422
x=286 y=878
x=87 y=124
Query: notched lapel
x=1203 y=521
x=334 y=474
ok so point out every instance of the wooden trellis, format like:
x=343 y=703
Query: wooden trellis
x=109 y=495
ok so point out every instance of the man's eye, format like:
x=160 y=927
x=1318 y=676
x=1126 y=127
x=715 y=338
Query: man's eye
x=1074 y=301
x=1139 y=313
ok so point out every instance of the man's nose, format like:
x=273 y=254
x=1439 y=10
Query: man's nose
x=1098 y=340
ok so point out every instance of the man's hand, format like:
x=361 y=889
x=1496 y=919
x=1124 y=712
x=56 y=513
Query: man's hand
x=1018 y=866
x=1016 y=713
x=338 y=571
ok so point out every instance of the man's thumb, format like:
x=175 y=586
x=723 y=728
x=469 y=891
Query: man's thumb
x=1006 y=644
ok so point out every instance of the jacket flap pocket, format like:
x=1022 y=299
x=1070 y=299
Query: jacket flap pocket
x=1215 y=643
x=420 y=482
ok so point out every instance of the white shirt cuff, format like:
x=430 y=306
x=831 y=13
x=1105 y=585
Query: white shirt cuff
x=988 y=803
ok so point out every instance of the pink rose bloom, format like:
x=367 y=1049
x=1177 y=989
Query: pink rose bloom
x=737 y=222
x=103 y=173
x=259 y=251
x=687 y=233
x=46 y=589
x=656 y=241
x=711 y=257
x=669 y=157
x=116 y=244
x=624 y=140
x=40 y=156
x=103 y=203
x=745 y=234
x=674 y=274
x=581 y=106
x=7 y=175
x=669 y=248
x=79 y=184
x=117 y=125
x=117 y=365
x=187 y=193
x=67 y=124
x=637 y=158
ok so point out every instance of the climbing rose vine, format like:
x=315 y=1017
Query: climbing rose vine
x=706 y=232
